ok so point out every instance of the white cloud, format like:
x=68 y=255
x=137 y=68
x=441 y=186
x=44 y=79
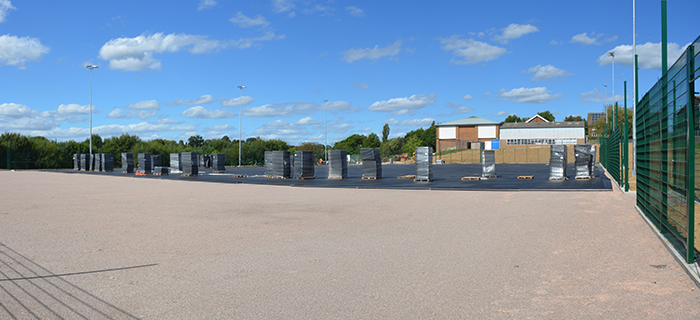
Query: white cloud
x=15 y=110
x=468 y=97
x=362 y=86
x=168 y=121
x=501 y=114
x=318 y=8
x=355 y=11
x=201 y=113
x=514 y=31
x=220 y=128
x=27 y=123
x=597 y=96
x=205 y=99
x=279 y=110
x=144 y=105
x=16 y=51
x=206 y=4
x=584 y=39
x=136 y=54
x=238 y=102
x=649 y=55
x=353 y=55
x=403 y=105
x=547 y=72
x=528 y=95
x=244 y=21
x=282 y=5
x=459 y=109
x=335 y=105
x=307 y=121
x=73 y=108
x=5 y=6
x=118 y=113
x=469 y=51
x=416 y=122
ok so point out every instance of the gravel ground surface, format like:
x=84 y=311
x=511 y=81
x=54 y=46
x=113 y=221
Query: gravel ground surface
x=103 y=247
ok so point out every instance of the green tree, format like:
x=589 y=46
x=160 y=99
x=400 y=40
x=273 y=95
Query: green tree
x=573 y=118
x=195 y=141
x=372 y=141
x=513 y=118
x=547 y=115
x=351 y=144
x=392 y=146
x=411 y=144
x=385 y=133
x=600 y=125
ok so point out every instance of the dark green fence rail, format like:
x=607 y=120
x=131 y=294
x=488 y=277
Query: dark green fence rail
x=612 y=156
x=667 y=128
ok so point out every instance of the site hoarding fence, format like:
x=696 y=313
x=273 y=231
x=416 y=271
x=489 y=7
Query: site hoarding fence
x=667 y=158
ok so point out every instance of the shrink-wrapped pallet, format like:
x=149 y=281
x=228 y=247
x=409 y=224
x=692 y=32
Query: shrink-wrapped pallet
x=371 y=163
x=337 y=164
x=304 y=164
x=558 y=162
x=424 y=163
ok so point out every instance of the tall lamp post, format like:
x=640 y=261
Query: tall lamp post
x=91 y=67
x=240 y=124
x=325 y=133
x=614 y=104
x=604 y=107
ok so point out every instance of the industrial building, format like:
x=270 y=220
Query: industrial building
x=541 y=133
x=461 y=133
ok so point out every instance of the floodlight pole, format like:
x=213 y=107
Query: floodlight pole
x=604 y=107
x=240 y=123
x=91 y=67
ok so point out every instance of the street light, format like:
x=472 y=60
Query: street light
x=325 y=133
x=240 y=124
x=91 y=67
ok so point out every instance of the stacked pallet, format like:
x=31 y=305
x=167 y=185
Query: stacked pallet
x=304 y=164
x=190 y=166
x=558 y=162
x=97 y=166
x=91 y=162
x=337 y=164
x=107 y=162
x=76 y=162
x=127 y=163
x=268 y=163
x=156 y=161
x=488 y=164
x=583 y=164
x=160 y=171
x=280 y=164
x=371 y=163
x=424 y=164
x=218 y=162
x=145 y=164
x=593 y=155
x=175 y=162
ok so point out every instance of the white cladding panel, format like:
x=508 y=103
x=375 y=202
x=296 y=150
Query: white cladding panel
x=487 y=132
x=448 y=133
x=543 y=133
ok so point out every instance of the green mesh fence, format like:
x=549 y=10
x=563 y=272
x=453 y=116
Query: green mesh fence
x=667 y=128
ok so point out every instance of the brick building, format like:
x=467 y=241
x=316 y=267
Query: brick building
x=458 y=134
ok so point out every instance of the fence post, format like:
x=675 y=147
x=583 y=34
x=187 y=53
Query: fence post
x=625 y=141
x=9 y=158
x=690 y=154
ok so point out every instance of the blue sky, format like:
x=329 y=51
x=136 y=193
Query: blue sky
x=170 y=69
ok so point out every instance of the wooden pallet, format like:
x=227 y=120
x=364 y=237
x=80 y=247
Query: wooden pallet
x=583 y=178
x=239 y=176
x=305 y=178
x=422 y=180
x=188 y=175
x=160 y=174
x=219 y=171
x=488 y=177
x=371 y=178
x=558 y=179
x=470 y=178
x=335 y=178
x=526 y=177
x=278 y=177
x=126 y=172
x=408 y=176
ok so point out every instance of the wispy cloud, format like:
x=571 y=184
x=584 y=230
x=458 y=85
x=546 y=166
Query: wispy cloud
x=5 y=6
x=375 y=53
x=547 y=72
x=469 y=51
x=244 y=21
x=514 y=31
x=206 y=4
x=528 y=95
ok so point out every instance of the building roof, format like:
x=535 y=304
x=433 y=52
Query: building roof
x=537 y=116
x=471 y=121
x=523 y=125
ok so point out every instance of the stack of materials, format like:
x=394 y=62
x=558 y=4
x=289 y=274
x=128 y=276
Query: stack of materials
x=175 y=162
x=160 y=171
x=218 y=161
x=268 y=163
x=84 y=161
x=371 y=163
x=107 y=162
x=593 y=161
x=304 y=164
x=127 y=163
x=156 y=161
x=281 y=166
x=583 y=163
x=76 y=162
x=145 y=162
x=488 y=163
x=204 y=161
x=558 y=162
x=337 y=165
x=90 y=162
x=189 y=164
x=424 y=164
x=97 y=165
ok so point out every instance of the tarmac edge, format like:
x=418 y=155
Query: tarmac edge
x=692 y=269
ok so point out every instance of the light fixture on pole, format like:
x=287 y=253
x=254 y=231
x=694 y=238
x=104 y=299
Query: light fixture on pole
x=240 y=123
x=91 y=67
x=325 y=133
